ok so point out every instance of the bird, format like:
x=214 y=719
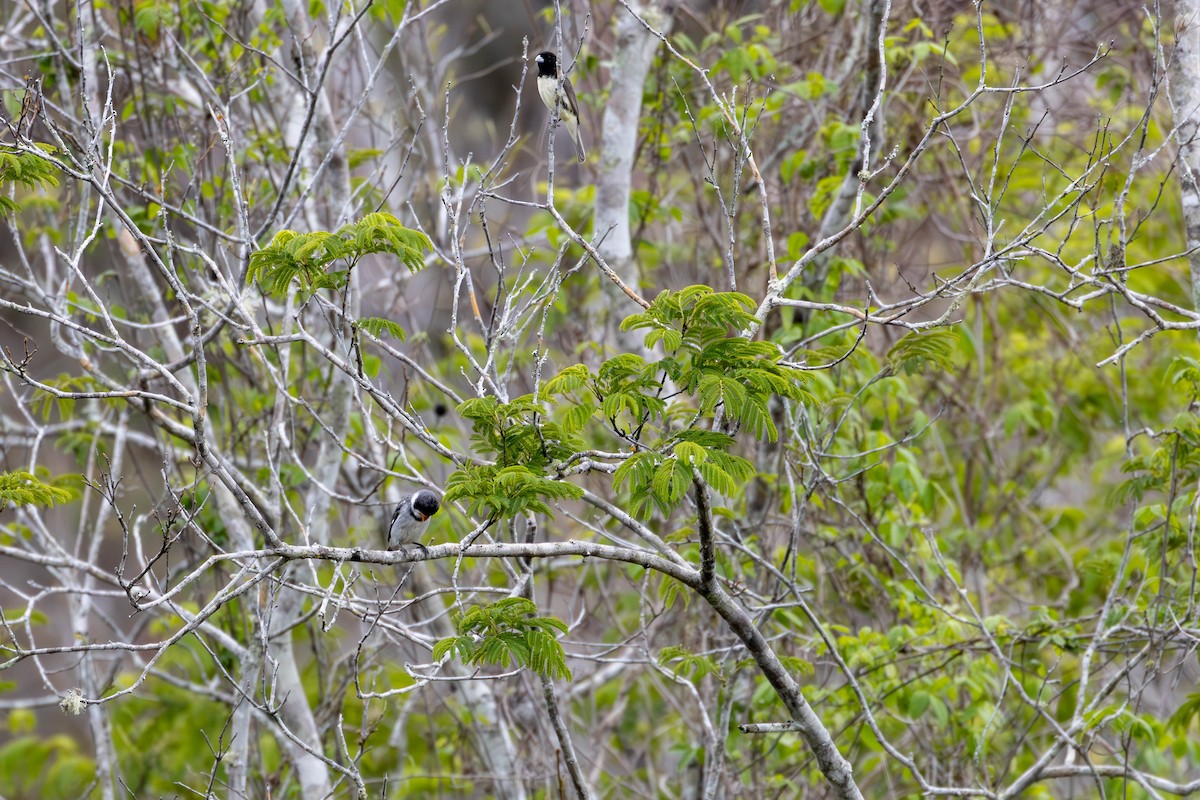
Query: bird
x=411 y=518
x=564 y=98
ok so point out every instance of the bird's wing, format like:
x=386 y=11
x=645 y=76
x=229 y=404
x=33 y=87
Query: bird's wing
x=569 y=91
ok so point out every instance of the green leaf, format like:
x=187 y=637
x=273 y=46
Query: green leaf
x=670 y=481
x=577 y=416
x=377 y=326
x=567 y=381
x=1188 y=710
x=919 y=350
x=918 y=701
x=507 y=491
x=30 y=170
x=688 y=665
x=68 y=776
x=306 y=259
x=507 y=632
x=25 y=489
x=691 y=453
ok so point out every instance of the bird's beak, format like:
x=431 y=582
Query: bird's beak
x=422 y=516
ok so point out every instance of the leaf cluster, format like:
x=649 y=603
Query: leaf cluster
x=662 y=476
x=687 y=664
x=28 y=169
x=378 y=326
x=504 y=632
x=518 y=432
x=919 y=350
x=525 y=445
x=307 y=258
x=496 y=491
x=1176 y=459
x=729 y=379
x=46 y=403
x=705 y=356
x=26 y=489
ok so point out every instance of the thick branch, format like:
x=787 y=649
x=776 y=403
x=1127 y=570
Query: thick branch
x=708 y=551
x=833 y=765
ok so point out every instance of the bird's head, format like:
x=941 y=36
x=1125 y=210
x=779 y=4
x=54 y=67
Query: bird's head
x=547 y=64
x=425 y=504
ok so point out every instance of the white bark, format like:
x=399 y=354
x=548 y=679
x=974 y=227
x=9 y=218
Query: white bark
x=1185 y=104
x=632 y=58
x=635 y=47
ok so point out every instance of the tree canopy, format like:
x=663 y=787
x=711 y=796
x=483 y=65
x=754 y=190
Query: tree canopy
x=831 y=432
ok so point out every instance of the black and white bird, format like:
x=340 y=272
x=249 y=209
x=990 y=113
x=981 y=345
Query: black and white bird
x=411 y=518
x=564 y=97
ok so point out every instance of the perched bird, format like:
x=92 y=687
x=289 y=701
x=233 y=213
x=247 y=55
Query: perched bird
x=564 y=97
x=411 y=518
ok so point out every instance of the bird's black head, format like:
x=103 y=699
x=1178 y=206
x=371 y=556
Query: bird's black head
x=547 y=65
x=425 y=503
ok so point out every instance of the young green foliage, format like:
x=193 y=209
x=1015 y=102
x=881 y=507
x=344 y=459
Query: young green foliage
x=730 y=379
x=706 y=358
x=26 y=489
x=686 y=664
x=497 y=491
x=507 y=631
x=378 y=326
x=921 y=349
x=525 y=445
x=662 y=476
x=307 y=258
x=51 y=768
x=518 y=432
x=28 y=169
